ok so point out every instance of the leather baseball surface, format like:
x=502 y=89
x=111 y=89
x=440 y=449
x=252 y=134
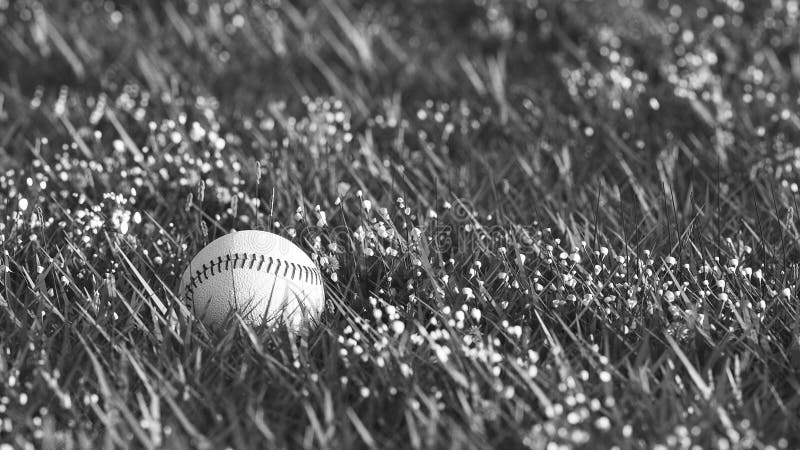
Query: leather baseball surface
x=262 y=276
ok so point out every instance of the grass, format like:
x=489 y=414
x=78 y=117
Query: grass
x=543 y=224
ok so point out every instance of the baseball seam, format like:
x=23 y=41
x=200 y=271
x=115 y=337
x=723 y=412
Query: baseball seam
x=267 y=264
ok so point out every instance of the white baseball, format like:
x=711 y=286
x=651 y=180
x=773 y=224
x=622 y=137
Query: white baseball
x=262 y=276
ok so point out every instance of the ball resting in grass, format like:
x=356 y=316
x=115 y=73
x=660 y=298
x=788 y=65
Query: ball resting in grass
x=259 y=275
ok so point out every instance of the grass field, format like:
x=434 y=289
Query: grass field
x=542 y=224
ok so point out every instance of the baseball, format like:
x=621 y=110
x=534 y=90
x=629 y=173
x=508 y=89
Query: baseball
x=260 y=275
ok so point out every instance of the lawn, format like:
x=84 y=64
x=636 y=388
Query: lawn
x=542 y=224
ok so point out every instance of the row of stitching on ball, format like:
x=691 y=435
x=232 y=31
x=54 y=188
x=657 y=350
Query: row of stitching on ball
x=310 y=275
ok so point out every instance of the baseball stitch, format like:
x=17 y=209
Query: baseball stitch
x=299 y=272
